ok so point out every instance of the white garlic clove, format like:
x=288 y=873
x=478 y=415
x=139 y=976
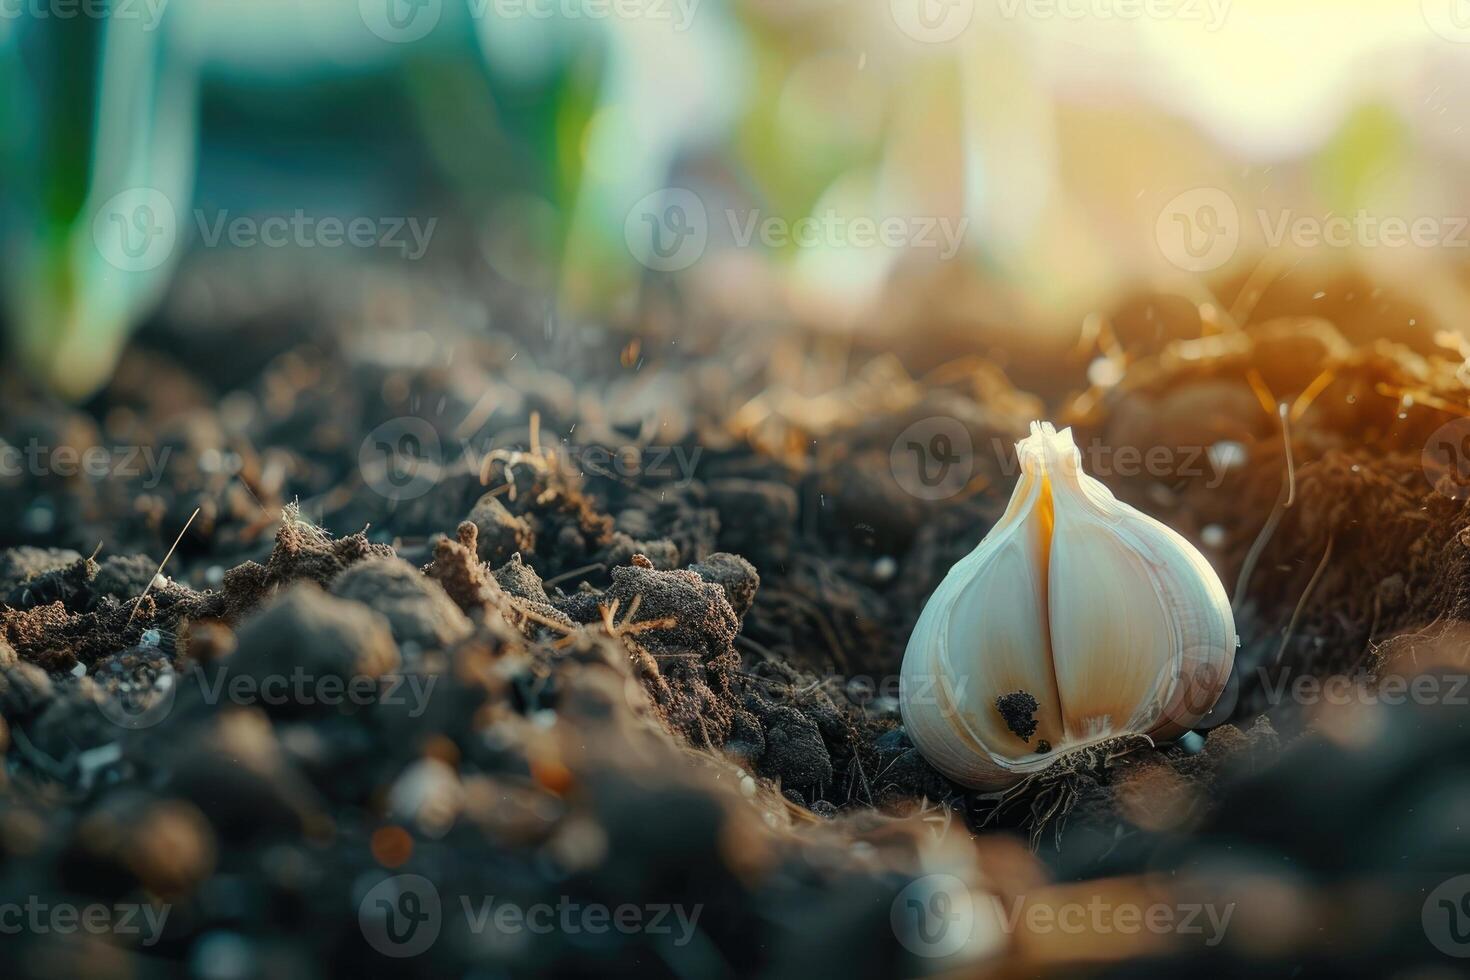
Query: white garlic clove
x=1077 y=619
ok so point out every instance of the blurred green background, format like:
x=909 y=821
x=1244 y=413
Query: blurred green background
x=1025 y=152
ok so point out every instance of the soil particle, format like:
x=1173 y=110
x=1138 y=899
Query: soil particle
x=27 y=561
x=1018 y=709
x=457 y=487
x=43 y=635
x=909 y=776
x=25 y=690
x=306 y=632
x=234 y=769
x=1166 y=791
x=71 y=585
x=131 y=840
x=132 y=679
x=85 y=585
x=58 y=638
x=698 y=617
x=304 y=551
x=470 y=584
x=747 y=740
x=758 y=519
x=124 y=577
x=901 y=775
x=417 y=608
x=1365 y=552
x=892 y=742
x=520 y=580
x=301 y=552
x=528 y=603
x=456 y=566
x=243 y=588
x=735 y=575
x=72 y=723
x=501 y=533
x=204 y=641
x=824 y=619
x=549 y=497
x=795 y=753
x=663 y=554
x=680 y=518
x=687 y=627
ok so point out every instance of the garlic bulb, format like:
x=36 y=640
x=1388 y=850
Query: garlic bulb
x=1076 y=620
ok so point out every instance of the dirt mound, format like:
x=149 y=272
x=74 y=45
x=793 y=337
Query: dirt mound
x=637 y=638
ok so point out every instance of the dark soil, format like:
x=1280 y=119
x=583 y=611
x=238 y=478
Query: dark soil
x=675 y=681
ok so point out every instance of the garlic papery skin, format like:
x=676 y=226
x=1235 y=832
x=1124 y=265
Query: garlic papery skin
x=1077 y=620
